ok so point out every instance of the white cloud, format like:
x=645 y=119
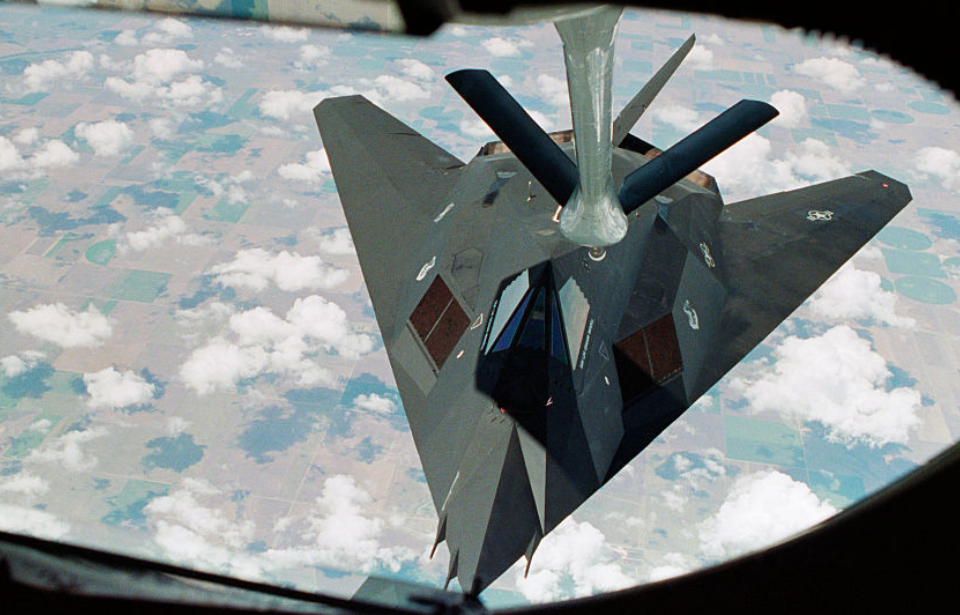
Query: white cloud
x=553 y=90
x=107 y=138
x=792 y=107
x=681 y=118
x=284 y=104
x=700 y=57
x=167 y=29
x=162 y=65
x=572 y=554
x=14 y=365
x=66 y=451
x=24 y=486
x=693 y=474
x=27 y=136
x=748 y=168
x=391 y=87
x=21 y=520
x=169 y=229
x=153 y=76
x=375 y=403
x=257 y=342
x=854 y=293
x=226 y=57
x=836 y=73
x=502 y=47
x=127 y=38
x=835 y=379
x=340 y=533
x=762 y=508
x=671 y=565
x=312 y=56
x=337 y=241
x=255 y=269
x=56 y=323
x=54 y=153
x=286 y=34
x=10 y=157
x=314 y=169
x=940 y=163
x=109 y=388
x=415 y=69
x=40 y=76
x=191 y=525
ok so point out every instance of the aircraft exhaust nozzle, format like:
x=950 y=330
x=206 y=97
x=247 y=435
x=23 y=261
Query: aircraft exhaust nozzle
x=693 y=151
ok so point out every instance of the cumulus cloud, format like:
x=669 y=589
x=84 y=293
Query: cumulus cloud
x=109 y=388
x=837 y=380
x=761 y=508
x=22 y=520
x=854 y=293
x=573 y=555
x=415 y=69
x=228 y=58
x=748 y=168
x=170 y=229
x=940 y=163
x=67 y=451
x=257 y=342
x=337 y=241
x=194 y=524
x=684 y=119
x=256 y=269
x=312 y=56
x=41 y=75
x=107 y=138
x=14 y=365
x=377 y=404
x=792 y=107
x=284 y=104
x=53 y=153
x=700 y=57
x=10 y=158
x=167 y=30
x=340 y=533
x=835 y=73
x=285 y=34
x=693 y=472
x=502 y=47
x=56 y=323
x=24 y=486
x=314 y=168
x=154 y=75
x=553 y=90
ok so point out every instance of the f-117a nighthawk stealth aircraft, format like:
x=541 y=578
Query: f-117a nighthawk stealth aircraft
x=551 y=307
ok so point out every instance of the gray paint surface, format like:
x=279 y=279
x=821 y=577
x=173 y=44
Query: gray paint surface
x=512 y=435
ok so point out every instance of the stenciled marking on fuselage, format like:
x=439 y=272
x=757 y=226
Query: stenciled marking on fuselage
x=819 y=215
x=586 y=345
x=443 y=213
x=707 y=257
x=692 y=319
x=426 y=268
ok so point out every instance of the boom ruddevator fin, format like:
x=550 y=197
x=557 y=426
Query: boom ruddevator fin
x=638 y=104
x=532 y=146
x=692 y=151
